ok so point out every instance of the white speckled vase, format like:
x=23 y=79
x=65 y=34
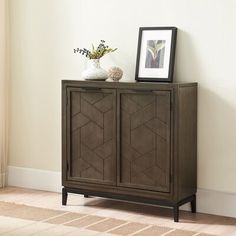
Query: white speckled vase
x=94 y=71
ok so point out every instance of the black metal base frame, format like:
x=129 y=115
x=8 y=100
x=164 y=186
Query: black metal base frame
x=87 y=193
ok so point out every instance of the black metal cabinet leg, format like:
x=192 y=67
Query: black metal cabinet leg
x=176 y=213
x=86 y=196
x=64 y=196
x=193 y=204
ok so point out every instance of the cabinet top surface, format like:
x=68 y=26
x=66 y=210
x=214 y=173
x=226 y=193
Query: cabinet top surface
x=111 y=84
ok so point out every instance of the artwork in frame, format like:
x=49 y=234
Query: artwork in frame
x=156 y=54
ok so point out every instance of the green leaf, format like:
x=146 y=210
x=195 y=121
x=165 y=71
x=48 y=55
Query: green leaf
x=152 y=51
x=99 y=52
x=159 y=46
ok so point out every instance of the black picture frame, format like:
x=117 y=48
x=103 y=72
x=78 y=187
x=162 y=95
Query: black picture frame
x=161 y=70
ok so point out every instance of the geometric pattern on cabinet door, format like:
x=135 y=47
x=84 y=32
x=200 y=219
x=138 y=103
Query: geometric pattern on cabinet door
x=145 y=140
x=92 y=131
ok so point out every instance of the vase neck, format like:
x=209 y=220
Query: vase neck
x=94 y=63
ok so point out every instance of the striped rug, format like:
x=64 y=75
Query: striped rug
x=16 y=220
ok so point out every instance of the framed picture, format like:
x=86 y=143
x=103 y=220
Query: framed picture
x=156 y=54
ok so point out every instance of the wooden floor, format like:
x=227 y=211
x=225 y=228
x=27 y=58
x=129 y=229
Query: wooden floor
x=200 y=224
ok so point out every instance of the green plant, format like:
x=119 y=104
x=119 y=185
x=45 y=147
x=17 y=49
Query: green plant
x=97 y=53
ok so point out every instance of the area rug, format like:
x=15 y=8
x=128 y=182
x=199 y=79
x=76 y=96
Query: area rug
x=16 y=220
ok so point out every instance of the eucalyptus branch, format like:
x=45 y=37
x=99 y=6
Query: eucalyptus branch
x=97 y=53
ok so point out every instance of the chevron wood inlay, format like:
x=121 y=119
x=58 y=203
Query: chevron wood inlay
x=92 y=131
x=145 y=135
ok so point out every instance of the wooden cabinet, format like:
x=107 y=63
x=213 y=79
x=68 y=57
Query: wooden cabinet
x=131 y=141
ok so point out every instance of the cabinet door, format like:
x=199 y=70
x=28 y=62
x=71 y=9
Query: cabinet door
x=144 y=159
x=92 y=116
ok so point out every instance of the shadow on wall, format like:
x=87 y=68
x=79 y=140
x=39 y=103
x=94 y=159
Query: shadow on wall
x=188 y=67
x=216 y=138
x=216 y=116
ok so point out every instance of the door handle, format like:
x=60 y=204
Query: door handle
x=90 y=89
x=142 y=91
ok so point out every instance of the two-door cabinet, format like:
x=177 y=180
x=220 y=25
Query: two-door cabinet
x=131 y=141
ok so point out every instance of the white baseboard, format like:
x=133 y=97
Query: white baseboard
x=215 y=202
x=34 y=179
x=208 y=201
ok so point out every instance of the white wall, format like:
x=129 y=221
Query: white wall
x=44 y=33
x=2 y=55
x=2 y=38
x=3 y=89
